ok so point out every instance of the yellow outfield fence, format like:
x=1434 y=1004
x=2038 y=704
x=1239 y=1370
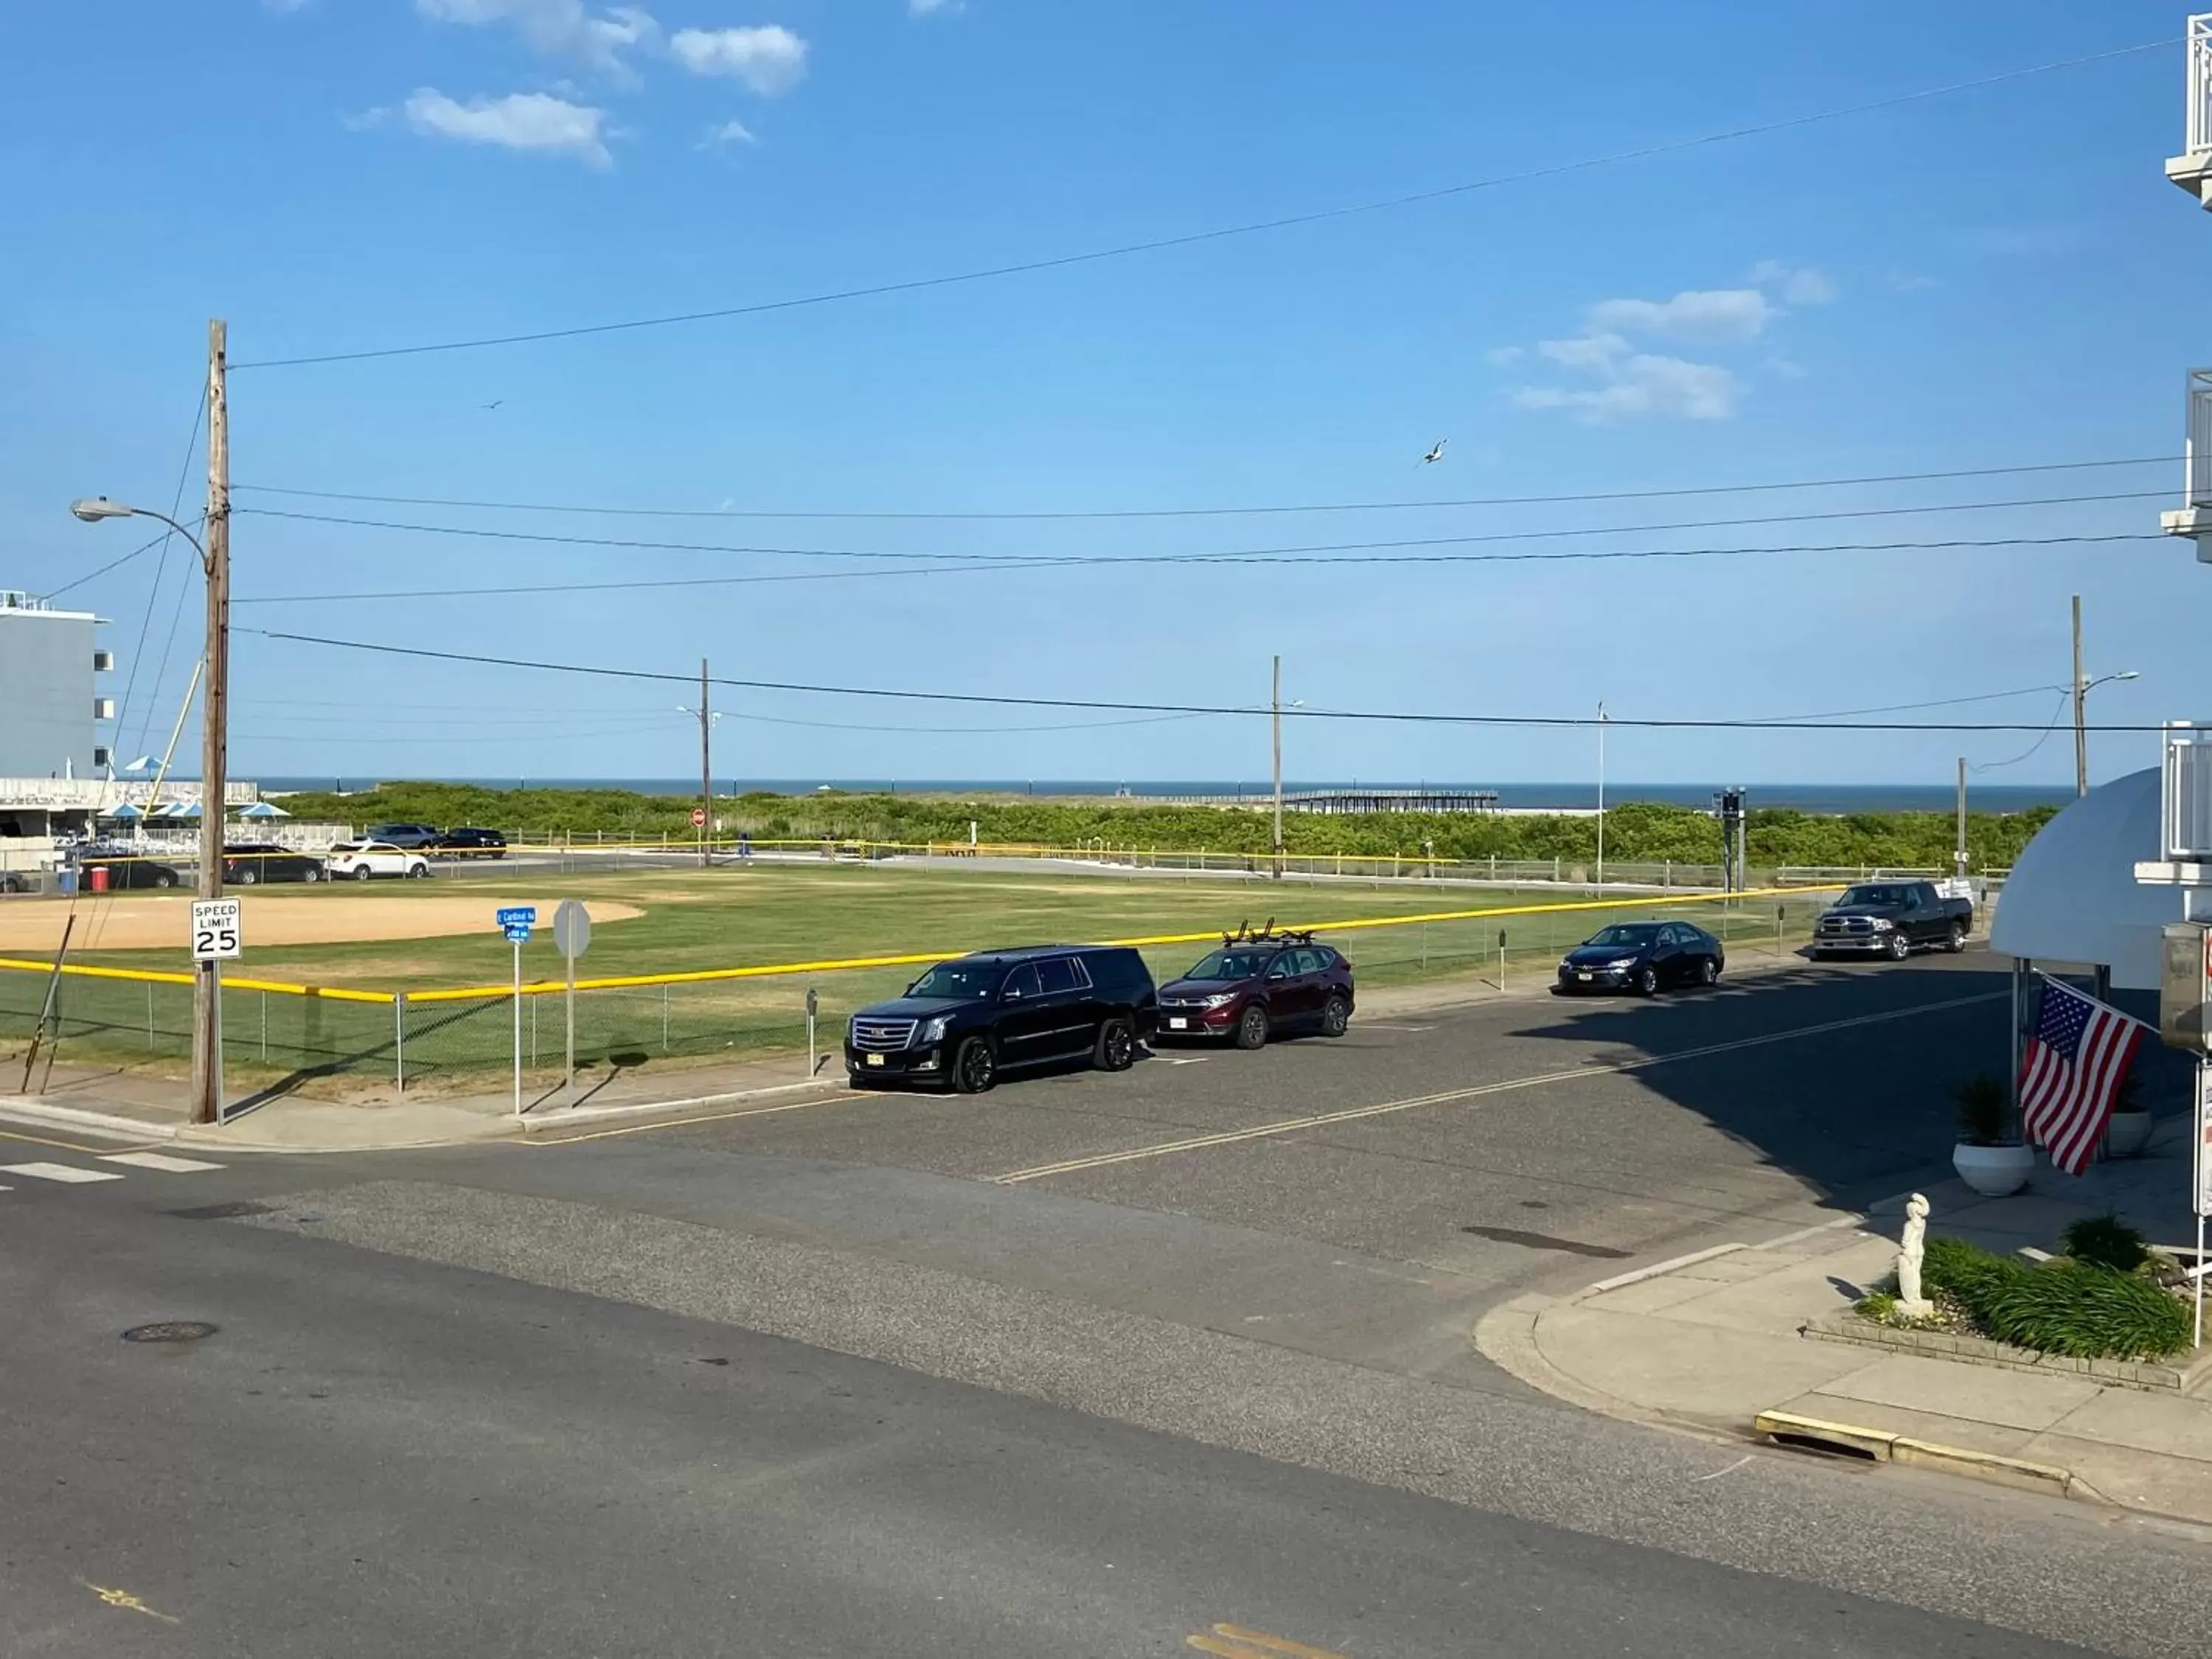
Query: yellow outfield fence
x=122 y=1014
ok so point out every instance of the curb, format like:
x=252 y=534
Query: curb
x=39 y=1114
x=1788 y=1429
x=651 y=1111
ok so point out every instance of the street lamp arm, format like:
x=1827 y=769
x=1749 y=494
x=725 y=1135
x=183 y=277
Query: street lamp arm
x=117 y=510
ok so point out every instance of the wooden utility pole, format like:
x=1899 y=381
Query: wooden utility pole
x=1959 y=852
x=1277 y=701
x=207 y=983
x=2080 y=701
x=706 y=772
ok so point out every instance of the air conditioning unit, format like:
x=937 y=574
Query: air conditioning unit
x=103 y=662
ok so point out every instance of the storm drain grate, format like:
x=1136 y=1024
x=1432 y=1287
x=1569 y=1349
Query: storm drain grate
x=170 y=1330
x=1545 y=1241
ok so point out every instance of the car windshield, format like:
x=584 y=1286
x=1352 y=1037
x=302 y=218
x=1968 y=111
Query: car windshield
x=1231 y=964
x=1636 y=933
x=1874 y=896
x=971 y=980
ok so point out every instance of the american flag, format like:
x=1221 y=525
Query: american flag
x=2075 y=1061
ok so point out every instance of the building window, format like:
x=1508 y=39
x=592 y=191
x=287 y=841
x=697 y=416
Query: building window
x=103 y=708
x=102 y=757
x=103 y=662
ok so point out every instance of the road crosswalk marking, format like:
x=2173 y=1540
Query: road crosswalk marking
x=162 y=1161
x=68 y=1173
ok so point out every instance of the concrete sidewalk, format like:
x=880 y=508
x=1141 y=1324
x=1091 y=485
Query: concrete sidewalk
x=1710 y=1341
x=120 y=1104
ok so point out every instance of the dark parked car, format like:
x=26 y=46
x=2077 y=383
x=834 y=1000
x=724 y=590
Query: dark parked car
x=965 y=1021
x=122 y=870
x=250 y=863
x=1258 y=984
x=409 y=837
x=467 y=841
x=1893 y=918
x=1642 y=956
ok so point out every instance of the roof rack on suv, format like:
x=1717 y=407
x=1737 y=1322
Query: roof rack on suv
x=1267 y=934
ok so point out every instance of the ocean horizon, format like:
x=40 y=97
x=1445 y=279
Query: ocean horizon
x=1822 y=798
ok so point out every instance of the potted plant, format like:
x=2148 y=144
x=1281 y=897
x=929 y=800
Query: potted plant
x=2128 y=1131
x=1988 y=1156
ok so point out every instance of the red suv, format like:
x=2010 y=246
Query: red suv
x=1257 y=984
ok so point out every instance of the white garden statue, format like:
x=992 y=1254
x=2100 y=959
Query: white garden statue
x=1910 y=1302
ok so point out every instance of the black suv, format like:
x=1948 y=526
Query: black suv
x=1257 y=984
x=468 y=842
x=965 y=1021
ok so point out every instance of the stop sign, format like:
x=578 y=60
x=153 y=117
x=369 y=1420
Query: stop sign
x=698 y=817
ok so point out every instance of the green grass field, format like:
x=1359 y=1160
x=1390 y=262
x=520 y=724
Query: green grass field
x=770 y=914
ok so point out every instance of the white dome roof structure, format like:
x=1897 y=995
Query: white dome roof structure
x=2073 y=896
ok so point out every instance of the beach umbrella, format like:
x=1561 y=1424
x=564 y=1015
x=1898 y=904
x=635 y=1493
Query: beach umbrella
x=262 y=809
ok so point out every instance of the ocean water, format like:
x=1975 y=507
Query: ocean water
x=1826 y=798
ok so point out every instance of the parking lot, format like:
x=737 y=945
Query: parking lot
x=1522 y=1137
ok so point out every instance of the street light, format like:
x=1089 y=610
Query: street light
x=2081 y=688
x=206 y=984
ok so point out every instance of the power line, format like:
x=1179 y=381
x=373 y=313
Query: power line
x=113 y=564
x=1195 y=238
x=1001 y=700
x=521 y=589
x=154 y=687
x=1197 y=512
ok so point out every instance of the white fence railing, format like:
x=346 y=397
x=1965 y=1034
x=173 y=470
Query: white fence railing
x=2200 y=84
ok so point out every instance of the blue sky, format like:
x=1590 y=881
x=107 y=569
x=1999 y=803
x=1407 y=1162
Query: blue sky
x=1996 y=277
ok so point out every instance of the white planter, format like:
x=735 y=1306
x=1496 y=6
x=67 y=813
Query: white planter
x=1993 y=1171
x=2128 y=1134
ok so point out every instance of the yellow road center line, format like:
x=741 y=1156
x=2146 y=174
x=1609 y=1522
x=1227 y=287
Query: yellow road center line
x=1235 y=1642
x=127 y=1602
x=1452 y=1096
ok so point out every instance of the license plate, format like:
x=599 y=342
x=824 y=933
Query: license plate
x=875 y=1060
x=1585 y=978
x=1178 y=1025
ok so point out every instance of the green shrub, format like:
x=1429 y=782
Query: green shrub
x=2088 y=1312
x=1984 y=1107
x=1880 y=1306
x=2074 y=1308
x=2107 y=1240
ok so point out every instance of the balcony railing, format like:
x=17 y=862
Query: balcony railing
x=2196 y=452
x=2200 y=84
x=2185 y=804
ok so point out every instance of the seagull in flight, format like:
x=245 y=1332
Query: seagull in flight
x=1436 y=455
x=496 y=402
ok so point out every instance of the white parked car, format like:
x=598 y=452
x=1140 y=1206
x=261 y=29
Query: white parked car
x=364 y=860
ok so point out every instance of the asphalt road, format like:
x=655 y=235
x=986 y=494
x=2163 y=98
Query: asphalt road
x=812 y=1380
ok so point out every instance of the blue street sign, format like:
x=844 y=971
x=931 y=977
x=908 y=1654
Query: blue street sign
x=518 y=915
x=519 y=933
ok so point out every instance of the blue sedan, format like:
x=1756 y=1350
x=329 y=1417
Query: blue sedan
x=1642 y=956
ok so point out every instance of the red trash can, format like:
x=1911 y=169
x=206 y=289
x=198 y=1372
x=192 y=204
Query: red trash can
x=99 y=877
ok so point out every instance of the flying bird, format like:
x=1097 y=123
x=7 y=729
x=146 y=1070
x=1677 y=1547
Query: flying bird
x=495 y=404
x=1436 y=455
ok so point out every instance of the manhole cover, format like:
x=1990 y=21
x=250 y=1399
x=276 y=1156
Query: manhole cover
x=170 y=1330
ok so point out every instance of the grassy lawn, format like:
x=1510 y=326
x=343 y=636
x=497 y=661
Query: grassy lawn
x=770 y=914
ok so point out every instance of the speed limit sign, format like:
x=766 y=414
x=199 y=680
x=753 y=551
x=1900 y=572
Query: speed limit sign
x=214 y=930
x=698 y=817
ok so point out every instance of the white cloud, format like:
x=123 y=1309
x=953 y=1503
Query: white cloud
x=1727 y=313
x=1797 y=285
x=1585 y=350
x=1644 y=387
x=725 y=133
x=557 y=28
x=935 y=8
x=1505 y=356
x=521 y=120
x=770 y=58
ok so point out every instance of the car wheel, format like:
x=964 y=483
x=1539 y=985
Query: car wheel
x=1957 y=941
x=416 y=872
x=1252 y=1027
x=1335 y=1016
x=1116 y=1049
x=1899 y=947
x=975 y=1068
x=165 y=878
x=311 y=873
x=1708 y=970
x=1647 y=981
x=248 y=876
x=362 y=873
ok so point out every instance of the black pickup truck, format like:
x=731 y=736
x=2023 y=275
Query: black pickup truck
x=1893 y=918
